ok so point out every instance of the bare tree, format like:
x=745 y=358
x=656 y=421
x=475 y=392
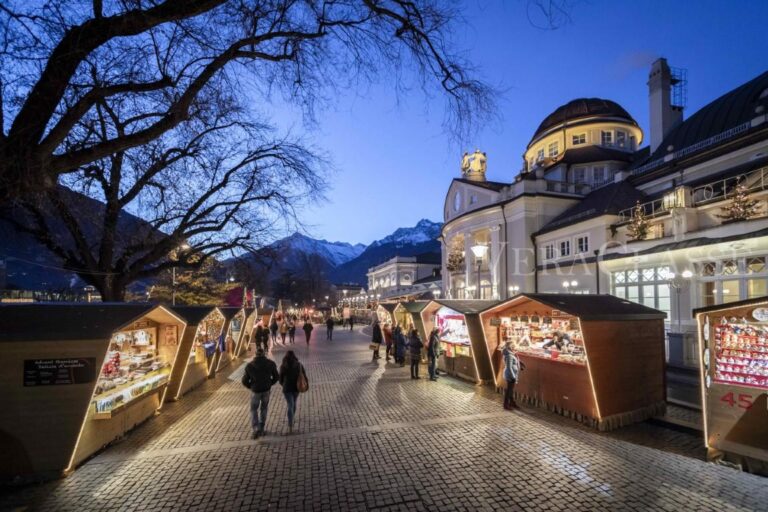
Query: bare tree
x=150 y=62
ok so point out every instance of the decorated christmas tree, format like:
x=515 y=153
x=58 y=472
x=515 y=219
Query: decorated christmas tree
x=741 y=207
x=638 y=224
x=455 y=261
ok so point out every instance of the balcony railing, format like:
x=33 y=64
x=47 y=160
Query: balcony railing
x=722 y=189
x=653 y=208
x=564 y=187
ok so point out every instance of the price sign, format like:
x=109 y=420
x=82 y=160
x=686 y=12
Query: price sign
x=59 y=372
x=741 y=400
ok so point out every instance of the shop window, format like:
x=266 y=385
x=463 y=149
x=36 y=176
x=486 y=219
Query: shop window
x=582 y=244
x=652 y=288
x=553 y=149
x=708 y=269
x=755 y=265
x=579 y=139
x=632 y=276
x=549 y=252
x=565 y=248
x=599 y=175
x=606 y=138
x=730 y=291
x=540 y=155
x=756 y=288
x=708 y=293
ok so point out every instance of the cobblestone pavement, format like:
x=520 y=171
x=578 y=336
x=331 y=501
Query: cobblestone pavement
x=367 y=437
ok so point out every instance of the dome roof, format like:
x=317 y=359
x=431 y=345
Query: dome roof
x=582 y=108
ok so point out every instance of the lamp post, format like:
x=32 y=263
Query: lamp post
x=513 y=290
x=479 y=250
x=569 y=286
x=678 y=283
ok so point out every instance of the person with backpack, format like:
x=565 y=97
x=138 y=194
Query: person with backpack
x=259 y=376
x=273 y=330
x=329 y=328
x=290 y=371
x=307 y=329
x=433 y=352
x=292 y=331
x=415 y=344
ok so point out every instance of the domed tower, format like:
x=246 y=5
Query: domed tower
x=596 y=123
x=473 y=166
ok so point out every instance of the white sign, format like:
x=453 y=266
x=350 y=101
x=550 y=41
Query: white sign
x=760 y=314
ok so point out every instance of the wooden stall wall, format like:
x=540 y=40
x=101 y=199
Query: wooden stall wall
x=246 y=333
x=216 y=359
x=621 y=384
x=42 y=423
x=180 y=370
x=480 y=352
x=492 y=343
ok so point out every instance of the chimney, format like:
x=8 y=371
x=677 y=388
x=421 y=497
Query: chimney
x=664 y=115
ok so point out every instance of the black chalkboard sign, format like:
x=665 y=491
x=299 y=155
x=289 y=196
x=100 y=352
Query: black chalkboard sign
x=59 y=372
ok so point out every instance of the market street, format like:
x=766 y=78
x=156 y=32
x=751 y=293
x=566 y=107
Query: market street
x=368 y=437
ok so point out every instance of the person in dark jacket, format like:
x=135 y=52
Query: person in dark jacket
x=400 y=343
x=258 y=335
x=292 y=331
x=273 y=327
x=351 y=322
x=433 y=352
x=377 y=338
x=265 y=338
x=260 y=375
x=329 y=329
x=512 y=367
x=307 y=329
x=289 y=376
x=415 y=344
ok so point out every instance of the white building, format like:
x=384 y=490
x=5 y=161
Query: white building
x=405 y=276
x=563 y=222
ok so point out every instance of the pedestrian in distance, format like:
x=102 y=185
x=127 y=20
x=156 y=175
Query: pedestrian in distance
x=265 y=338
x=351 y=323
x=307 y=329
x=273 y=327
x=258 y=335
x=376 y=339
x=290 y=371
x=388 y=340
x=400 y=345
x=415 y=344
x=283 y=330
x=512 y=368
x=329 y=328
x=259 y=376
x=292 y=331
x=433 y=352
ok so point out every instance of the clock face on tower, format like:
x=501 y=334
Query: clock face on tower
x=457 y=201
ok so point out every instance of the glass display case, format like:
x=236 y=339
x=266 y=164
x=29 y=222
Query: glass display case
x=549 y=337
x=741 y=352
x=208 y=332
x=454 y=335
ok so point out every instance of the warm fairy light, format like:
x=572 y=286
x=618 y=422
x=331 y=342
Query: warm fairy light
x=589 y=370
x=703 y=377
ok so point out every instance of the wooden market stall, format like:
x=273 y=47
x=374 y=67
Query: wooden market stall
x=234 y=319
x=247 y=332
x=733 y=352
x=465 y=354
x=408 y=314
x=385 y=312
x=197 y=348
x=75 y=377
x=596 y=358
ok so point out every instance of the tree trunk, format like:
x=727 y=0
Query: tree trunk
x=110 y=289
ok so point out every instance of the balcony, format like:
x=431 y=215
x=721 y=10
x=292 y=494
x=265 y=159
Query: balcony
x=719 y=190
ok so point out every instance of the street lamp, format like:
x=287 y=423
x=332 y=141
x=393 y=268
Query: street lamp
x=514 y=289
x=479 y=250
x=678 y=282
x=566 y=284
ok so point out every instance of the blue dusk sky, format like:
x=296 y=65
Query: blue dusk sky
x=394 y=162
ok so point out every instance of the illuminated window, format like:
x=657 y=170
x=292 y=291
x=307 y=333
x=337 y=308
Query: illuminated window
x=565 y=248
x=649 y=286
x=755 y=265
x=621 y=138
x=540 y=155
x=579 y=139
x=708 y=269
x=757 y=288
x=553 y=149
x=606 y=138
x=730 y=291
x=729 y=267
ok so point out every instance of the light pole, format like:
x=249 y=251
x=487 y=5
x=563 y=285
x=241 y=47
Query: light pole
x=678 y=282
x=513 y=290
x=570 y=285
x=479 y=250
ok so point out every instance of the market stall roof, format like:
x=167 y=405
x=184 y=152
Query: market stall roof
x=587 y=307
x=230 y=311
x=389 y=306
x=66 y=322
x=730 y=305
x=467 y=307
x=193 y=315
x=415 y=306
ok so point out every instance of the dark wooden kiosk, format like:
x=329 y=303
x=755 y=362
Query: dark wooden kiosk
x=606 y=368
x=196 y=349
x=465 y=353
x=733 y=352
x=75 y=377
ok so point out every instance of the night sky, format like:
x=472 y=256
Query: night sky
x=394 y=162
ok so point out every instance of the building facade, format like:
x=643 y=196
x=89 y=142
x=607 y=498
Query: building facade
x=405 y=276
x=676 y=224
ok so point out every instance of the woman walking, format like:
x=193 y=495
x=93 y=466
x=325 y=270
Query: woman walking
x=376 y=339
x=273 y=330
x=307 y=329
x=289 y=378
x=283 y=330
x=292 y=331
x=400 y=344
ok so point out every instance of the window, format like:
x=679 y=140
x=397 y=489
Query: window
x=579 y=175
x=540 y=155
x=621 y=138
x=599 y=175
x=549 y=252
x=606 y=138
x=648 y=286
x=582 y=244
x=472 y=199
x=730 y=291
x=579 y=139
x=553 y=149
x=565 y=248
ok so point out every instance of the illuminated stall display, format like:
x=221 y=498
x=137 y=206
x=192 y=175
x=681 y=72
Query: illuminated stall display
x=225 y=345
x=245 y=337
x=408 y=314
x=385 y=313
x=464 y=353
x=596 y=358
x=76 y=377
x=197 y=348
x=733 y=347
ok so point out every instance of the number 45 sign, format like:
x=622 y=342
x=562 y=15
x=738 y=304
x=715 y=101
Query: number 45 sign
x=742 y=400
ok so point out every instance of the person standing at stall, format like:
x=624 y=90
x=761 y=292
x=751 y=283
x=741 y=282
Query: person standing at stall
x=283 y=331
x=433 y=352
x=259 y=376
x=387 y=332
x=400 y=343
x=290 y=371
x=329 y=328
x=511 y=373
x=273 y=330
x=415 y=344
x=307 y=329
x=292 y=331
x=376 y=339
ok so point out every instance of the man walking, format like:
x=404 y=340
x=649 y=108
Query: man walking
x=329 y=328
x=415 y=344
x=260 y=375
x=351 y=323
x=433 y=351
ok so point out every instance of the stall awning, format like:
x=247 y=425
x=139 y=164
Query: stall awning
x=467 y=307
x=389 y=306
x=731 y=305
x=192 y=315
x=587 y=307
x=230 y=312
x=66 y=322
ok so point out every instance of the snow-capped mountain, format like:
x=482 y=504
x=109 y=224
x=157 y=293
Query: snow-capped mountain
x=424 y=231
x=335 y=253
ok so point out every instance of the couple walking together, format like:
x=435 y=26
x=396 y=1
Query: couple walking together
x=261 y=374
